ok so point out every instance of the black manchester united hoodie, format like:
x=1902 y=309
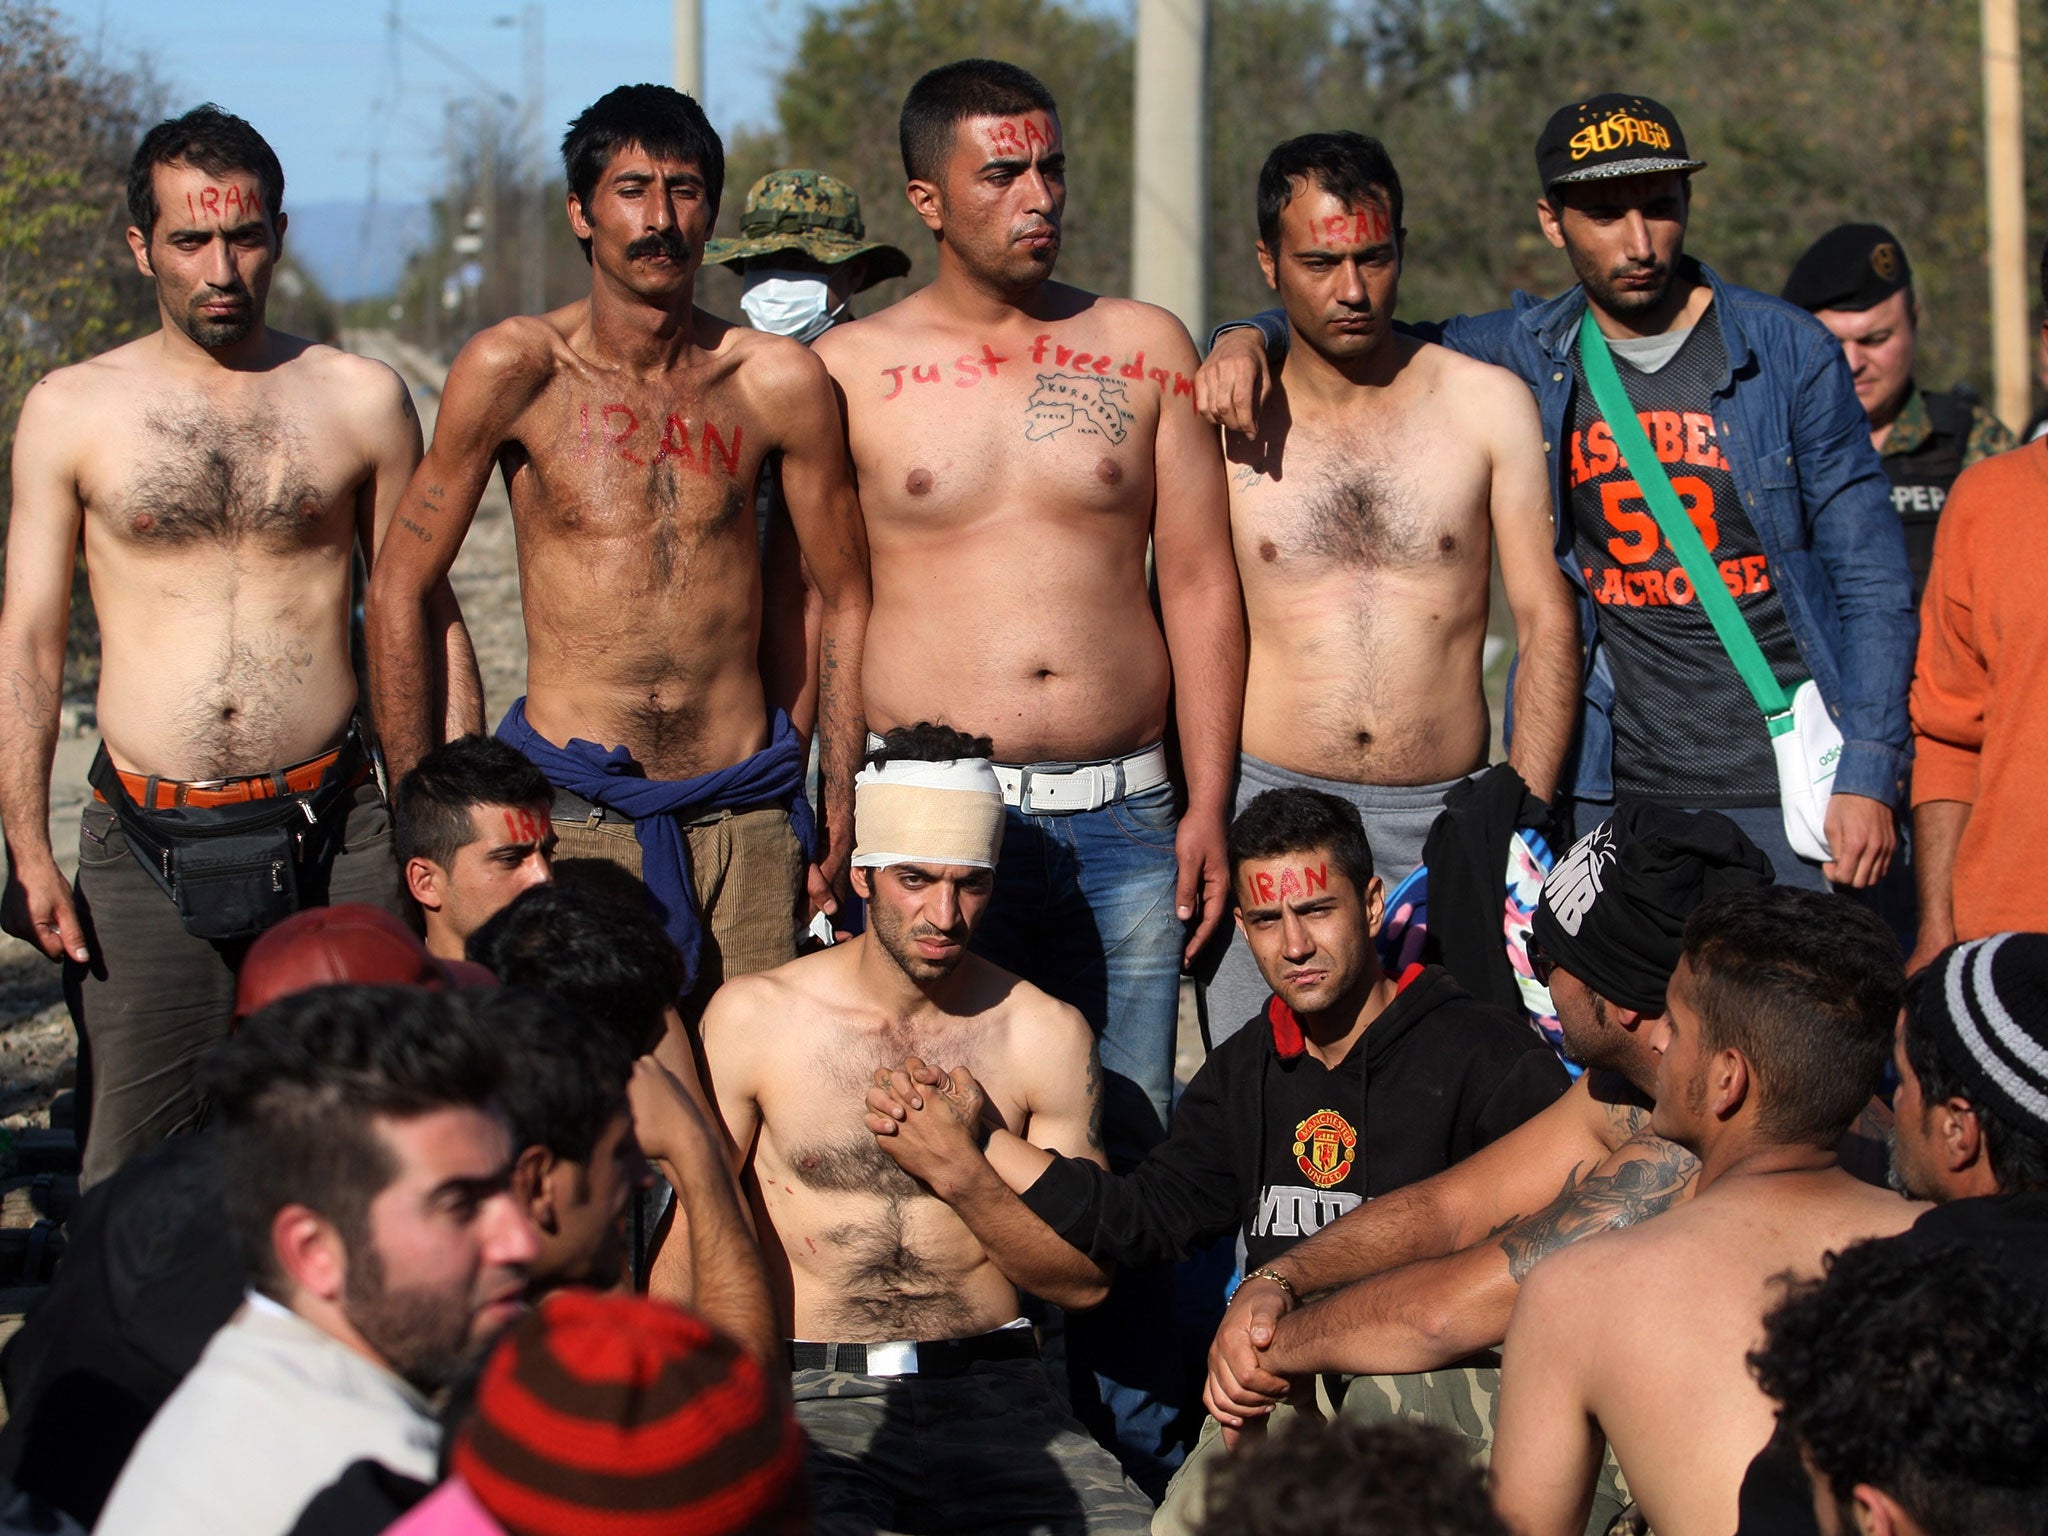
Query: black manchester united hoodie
x=1270 y=1143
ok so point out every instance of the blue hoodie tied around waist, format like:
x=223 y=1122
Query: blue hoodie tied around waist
x=658 y=809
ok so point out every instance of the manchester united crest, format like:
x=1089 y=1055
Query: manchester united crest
x=1324 y=1145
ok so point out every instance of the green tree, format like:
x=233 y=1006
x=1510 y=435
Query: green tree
x=1809 y=116
x=68 y=284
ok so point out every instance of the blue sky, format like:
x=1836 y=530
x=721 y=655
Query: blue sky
x=319 y=79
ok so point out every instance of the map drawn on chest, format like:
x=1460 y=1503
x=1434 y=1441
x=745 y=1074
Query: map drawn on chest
x=224 y=477
x=1094 y=407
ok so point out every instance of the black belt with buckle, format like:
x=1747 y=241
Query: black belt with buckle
x=940 y=1357
x=570 y=806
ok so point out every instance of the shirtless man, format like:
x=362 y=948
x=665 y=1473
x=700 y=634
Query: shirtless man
x=631 y=427
x=1780 y=1018
x=1366 y=509
x=1017 y=441
x=222 y=476
x=1429 y=1274
x=1754 y=415
x=901 y=1310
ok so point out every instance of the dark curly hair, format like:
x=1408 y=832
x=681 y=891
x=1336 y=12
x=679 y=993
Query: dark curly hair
x=216 y=142
x=1919 y=1369
x=1295 y=820
x=1349 y=166
x=608 y=958
x=661 y=120
x=1350 y=1479
x=431 y=805
x=928 y=742
x=565 y=1073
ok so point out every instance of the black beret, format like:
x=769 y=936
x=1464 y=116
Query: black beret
x=1856 y=266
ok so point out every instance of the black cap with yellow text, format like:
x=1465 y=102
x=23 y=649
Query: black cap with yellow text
x=1608 y=136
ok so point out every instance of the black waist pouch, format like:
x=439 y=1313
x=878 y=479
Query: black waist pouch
x=236 y=884
x=232 y=870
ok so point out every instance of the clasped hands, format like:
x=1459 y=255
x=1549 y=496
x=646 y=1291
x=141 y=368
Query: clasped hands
x=1242 y=1388
x=935 y=1124
x=932 y=1122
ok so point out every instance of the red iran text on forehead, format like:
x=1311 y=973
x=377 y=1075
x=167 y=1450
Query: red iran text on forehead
x=1364 y=221
x=522 y=826
x=1018 y=138
x=1298 y=882
x=223 y=204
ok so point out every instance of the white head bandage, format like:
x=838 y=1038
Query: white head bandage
x=927 y=813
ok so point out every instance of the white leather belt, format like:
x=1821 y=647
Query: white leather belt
x=1064 y=788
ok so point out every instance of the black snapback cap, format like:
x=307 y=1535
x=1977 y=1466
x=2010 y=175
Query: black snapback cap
x=1609 y=136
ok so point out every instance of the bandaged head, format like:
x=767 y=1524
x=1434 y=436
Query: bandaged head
x=1613 y=911
x=908 y=812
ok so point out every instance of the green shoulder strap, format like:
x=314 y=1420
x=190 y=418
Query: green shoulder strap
x=1677 y=528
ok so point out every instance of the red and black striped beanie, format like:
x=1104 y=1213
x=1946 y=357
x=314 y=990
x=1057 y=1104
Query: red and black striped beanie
x=619 y=1415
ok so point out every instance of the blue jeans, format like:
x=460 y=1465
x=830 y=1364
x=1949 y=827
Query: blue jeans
x=1084 y=909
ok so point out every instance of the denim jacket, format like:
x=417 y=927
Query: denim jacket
x=1798 y=444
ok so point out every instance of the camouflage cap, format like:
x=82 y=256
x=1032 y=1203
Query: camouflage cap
x=811 y=214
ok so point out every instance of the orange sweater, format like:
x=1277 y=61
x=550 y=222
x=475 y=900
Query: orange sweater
x=1980 y=689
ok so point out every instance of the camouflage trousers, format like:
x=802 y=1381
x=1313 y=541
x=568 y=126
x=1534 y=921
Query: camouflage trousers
x=993 y=1449
x=1461 y=1401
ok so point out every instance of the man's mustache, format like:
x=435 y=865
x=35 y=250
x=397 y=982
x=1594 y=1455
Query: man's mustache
x=663 y=242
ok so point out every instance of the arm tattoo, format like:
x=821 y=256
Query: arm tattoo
x=1639 y=1189
x=415 y=529
x=32 y=700
x=1628 y=1120
x=1094 y=1092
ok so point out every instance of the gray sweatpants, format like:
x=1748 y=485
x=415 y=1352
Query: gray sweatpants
x=1397 y=820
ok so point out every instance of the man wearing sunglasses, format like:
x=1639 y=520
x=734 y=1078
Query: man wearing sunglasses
x=1429 y=1274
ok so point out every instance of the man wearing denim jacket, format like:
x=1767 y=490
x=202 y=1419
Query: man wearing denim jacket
x=1750 y=407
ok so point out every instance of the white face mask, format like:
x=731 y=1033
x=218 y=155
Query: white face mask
x=793 y=304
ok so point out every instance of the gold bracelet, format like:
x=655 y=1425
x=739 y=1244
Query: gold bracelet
x=1278 y=1279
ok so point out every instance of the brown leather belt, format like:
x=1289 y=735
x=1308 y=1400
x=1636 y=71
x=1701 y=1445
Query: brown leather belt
x=155 y=794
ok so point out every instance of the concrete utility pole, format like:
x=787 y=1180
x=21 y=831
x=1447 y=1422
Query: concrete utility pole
x=1170 y=170
x=533 y=148
x=2006 y=200
x=690 y=47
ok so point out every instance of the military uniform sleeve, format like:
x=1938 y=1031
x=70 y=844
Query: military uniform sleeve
x=1988 y=435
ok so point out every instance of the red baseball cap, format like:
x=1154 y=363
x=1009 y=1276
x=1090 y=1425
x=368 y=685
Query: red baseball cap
x=328 y=946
